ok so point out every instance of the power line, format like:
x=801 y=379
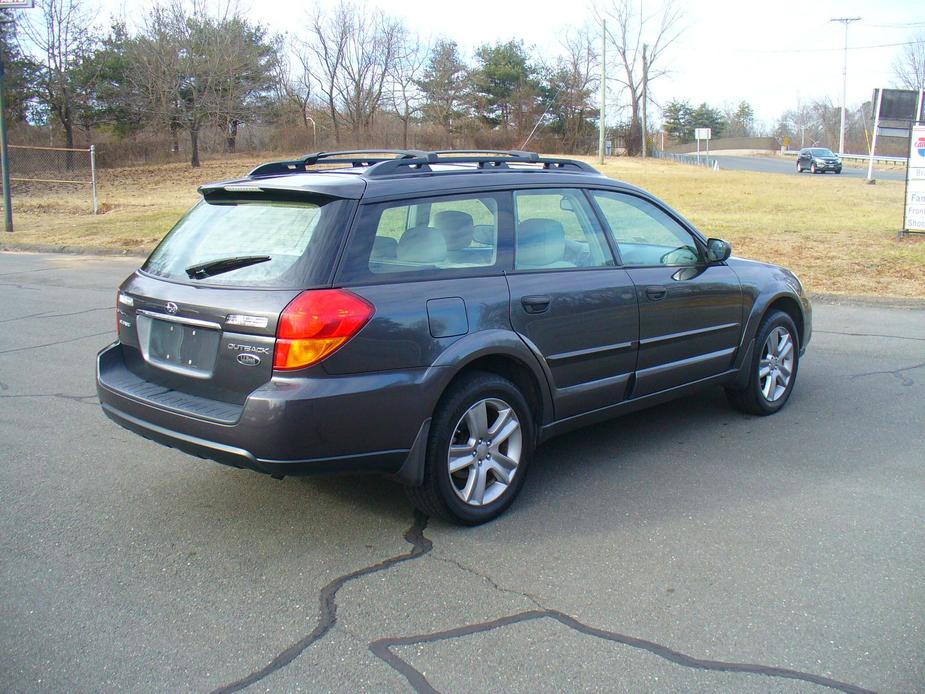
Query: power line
x=828 y=50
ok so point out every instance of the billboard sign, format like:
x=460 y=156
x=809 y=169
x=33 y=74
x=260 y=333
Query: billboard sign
x=915 y=182
x=702 y=133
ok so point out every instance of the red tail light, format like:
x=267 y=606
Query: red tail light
x=317 y=323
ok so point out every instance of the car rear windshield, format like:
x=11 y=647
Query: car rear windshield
x=822 y=152
x=253 y=242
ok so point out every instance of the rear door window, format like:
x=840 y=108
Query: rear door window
x=438 y=236
x=260 y=242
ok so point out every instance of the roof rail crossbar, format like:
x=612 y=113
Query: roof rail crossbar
x=482 y=160
x=351 y=157
x=511 y=153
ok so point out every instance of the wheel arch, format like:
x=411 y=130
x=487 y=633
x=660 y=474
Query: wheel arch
x=494 y=351
x=792 y=308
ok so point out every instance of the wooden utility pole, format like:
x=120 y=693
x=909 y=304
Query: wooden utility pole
x=601 y=127
x=645 y=96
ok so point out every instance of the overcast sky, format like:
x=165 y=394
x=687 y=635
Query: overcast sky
x=770 y=54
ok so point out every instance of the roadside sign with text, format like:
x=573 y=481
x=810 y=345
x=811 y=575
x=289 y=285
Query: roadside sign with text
x=915 y=181
x=702 y=133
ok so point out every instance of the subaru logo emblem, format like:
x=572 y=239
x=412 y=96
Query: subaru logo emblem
x=248 y=359
x=171 y=307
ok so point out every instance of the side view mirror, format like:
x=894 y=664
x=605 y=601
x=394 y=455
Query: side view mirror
x=718 y=251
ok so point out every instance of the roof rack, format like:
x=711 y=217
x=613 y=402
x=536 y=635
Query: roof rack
x=483 y=159
x=390 y=162
x=353 y=157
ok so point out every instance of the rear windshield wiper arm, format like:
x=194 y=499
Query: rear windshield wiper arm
x=217 y=267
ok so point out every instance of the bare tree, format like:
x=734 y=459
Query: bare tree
x=372 y=48
x=293 y=80
x=352 y=51
x=194 y=69
x=909 y=66
x=323 y=57
x=407 y=68
x=61 y=33
x=572 y=83
x=631 y=32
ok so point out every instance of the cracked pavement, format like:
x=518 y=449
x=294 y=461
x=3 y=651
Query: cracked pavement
x=686 y=548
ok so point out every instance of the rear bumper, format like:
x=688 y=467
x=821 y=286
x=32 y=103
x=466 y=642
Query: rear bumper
x=290 y=426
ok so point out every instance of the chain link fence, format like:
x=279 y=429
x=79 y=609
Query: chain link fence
x=35 y=169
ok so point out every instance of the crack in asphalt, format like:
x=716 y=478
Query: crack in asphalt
x=23 y=272
x=84 y=399
x=382 y=649
x=490 y=581
x=17 y=285
x=47 y=314
x=894 y=337
x=898 y=373
x=327 y=616
x=56 y=342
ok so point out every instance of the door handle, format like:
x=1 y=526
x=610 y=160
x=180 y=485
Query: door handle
x=535 y=304
x=656 y=293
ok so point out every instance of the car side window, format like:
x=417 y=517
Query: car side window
x=556 y=228
x=645 y=234
x=425 y=235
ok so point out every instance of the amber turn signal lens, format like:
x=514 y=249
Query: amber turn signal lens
x=317 y=323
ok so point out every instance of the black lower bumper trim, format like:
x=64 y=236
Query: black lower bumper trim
x=376 y=462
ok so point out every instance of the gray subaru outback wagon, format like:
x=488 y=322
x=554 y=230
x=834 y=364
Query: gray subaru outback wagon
x=434 y=316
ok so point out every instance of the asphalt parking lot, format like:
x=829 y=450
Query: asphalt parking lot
x=686 y=548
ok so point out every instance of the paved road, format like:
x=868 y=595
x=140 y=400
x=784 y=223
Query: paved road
x=688 y=548
x=787 y=165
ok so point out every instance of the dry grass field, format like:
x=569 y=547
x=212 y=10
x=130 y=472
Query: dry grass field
x=837 y=233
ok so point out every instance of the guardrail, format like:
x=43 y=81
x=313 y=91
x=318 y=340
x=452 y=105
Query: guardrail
x=859 y=157
x=691 y=159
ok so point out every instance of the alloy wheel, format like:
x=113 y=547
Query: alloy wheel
x=485 y=452
x=775 y=370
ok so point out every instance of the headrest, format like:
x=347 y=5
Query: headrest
x=540 y=242
x=422 y=245
x=485 y=234
x=385 y=247
x=456 y=227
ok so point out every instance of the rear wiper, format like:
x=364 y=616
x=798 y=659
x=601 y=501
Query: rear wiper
x=217 y=267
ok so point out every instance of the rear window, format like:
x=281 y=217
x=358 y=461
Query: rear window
x=276 y=243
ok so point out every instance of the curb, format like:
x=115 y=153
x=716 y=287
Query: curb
x=15 y=247
x=862 y=300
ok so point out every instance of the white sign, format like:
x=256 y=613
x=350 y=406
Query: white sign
x=17 y=4
x=915 y=181
x=702 y=133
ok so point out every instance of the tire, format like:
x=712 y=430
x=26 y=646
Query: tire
x=757 y=397
x=458 y=423
x=812 y=169
x=799 y=168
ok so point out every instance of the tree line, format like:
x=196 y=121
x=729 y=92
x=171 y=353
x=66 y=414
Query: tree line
x=346 y=72
x=185 y=68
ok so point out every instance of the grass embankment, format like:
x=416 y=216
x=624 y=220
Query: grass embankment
x=837 y=233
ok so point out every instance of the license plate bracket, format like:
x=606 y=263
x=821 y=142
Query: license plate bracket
x=178 y=347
